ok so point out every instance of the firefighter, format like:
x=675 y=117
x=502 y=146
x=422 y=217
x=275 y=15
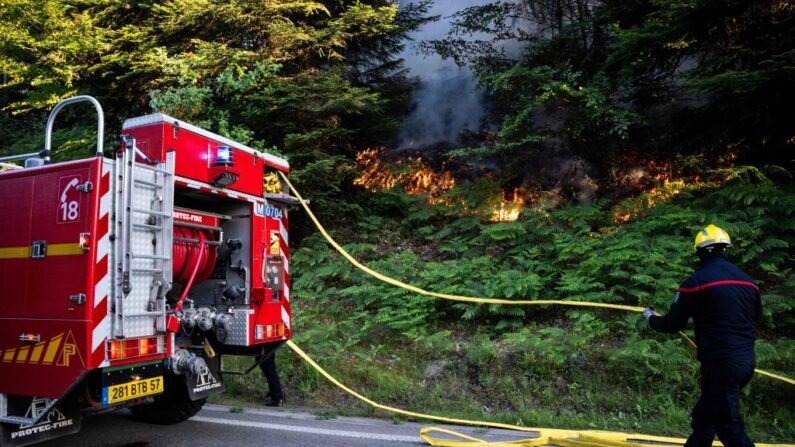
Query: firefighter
x=724 y=303
x=275 y=396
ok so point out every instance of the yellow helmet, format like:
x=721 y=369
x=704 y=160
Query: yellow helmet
x=711 y=235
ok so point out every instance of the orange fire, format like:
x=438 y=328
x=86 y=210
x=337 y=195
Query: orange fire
x=417 y=178
x=656 y=195
x=414 y=175
x=508 y=210
x=424 y=180
x=374 y=174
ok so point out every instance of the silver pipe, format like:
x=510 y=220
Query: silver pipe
x=178 y=223
x=61 y=105
x=19 y=157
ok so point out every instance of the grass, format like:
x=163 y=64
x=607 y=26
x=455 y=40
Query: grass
x=540 y=366
x=593 y=395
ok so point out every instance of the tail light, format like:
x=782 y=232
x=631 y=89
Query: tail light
x=116 y=348
x=134 y=347
x=266 y=331
x=147 y=345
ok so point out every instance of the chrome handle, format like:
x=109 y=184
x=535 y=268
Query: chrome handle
x=33 y=338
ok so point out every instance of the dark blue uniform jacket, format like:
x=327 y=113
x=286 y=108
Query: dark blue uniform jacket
x=724 y=303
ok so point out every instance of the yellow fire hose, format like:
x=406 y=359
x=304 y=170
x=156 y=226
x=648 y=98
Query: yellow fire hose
x=543 y=436
x=566 y=438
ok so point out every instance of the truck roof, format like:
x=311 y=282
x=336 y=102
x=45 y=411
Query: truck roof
x=163 y=118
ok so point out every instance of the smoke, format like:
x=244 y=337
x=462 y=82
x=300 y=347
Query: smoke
x=447 y=101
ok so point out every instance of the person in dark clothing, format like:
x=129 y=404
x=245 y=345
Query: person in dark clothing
x=724 y=303
x=275 y=396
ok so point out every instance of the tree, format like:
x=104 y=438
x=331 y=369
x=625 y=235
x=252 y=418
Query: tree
x=315 y=80
x=597 y=80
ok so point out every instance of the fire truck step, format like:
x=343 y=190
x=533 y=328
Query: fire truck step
x=16 y=420
x=143 y=256
x=154 y=212
x=143 y=270
x=150 y=168
x=148 y=227
x=146 y=183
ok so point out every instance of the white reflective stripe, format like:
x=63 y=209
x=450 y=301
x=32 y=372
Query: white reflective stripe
x=212 y=189
x=285 y=317
x=102 y=330
x=286 y=293
x=102 y=290
x=286 y=263
x=283 y=234
x=101 y=333
x=106 y=167
x=103 y=247
x=104 y=205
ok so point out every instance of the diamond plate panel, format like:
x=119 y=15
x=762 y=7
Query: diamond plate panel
x=239 y=328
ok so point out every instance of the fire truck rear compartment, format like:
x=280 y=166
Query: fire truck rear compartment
x=218 y=299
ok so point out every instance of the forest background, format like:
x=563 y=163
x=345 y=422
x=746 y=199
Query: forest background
x=608 y=132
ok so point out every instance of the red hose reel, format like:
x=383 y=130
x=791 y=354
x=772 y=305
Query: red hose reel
x=193 y=259
x=187 y=254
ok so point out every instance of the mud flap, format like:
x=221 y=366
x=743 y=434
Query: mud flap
x=61 y=420
x=207 y=382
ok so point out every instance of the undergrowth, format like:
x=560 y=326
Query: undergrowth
x=537 y=365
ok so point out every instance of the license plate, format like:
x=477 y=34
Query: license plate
x=132 y=390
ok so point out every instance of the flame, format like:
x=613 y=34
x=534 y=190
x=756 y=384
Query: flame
x=659 y=194
x=416 y=177
x=424 y=180
x=508 y=210
x=375 y=175
x=656 y=183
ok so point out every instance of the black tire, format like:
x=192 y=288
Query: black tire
x=169 y=408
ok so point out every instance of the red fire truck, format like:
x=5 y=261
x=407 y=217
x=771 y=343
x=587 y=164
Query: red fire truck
x=126 y=280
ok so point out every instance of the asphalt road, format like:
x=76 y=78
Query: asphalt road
x=217 y=425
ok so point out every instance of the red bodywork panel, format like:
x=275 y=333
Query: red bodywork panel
x=271 y=306
x=43 y=204
x=196 y=152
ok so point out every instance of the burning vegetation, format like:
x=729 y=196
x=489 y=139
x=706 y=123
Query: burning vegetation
x=509 y=209
x=656 y=183
x=649 y=183
x=416 y=177
x=635 y=207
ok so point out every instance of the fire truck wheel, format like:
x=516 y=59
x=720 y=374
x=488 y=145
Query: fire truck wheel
x=168 y=409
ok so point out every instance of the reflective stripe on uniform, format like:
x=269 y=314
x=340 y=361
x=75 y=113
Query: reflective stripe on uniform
x=726 y=282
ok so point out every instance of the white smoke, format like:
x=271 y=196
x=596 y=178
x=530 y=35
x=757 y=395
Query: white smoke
x=447 y=101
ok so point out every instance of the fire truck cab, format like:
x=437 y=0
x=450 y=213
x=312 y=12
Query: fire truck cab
x=126 y=280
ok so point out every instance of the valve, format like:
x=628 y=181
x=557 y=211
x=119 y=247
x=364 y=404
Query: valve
x=184 y=361
x=206 y=319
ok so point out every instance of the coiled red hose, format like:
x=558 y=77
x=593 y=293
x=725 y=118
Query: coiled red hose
x=192 y=262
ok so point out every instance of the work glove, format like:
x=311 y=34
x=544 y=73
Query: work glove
x=648 y=311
